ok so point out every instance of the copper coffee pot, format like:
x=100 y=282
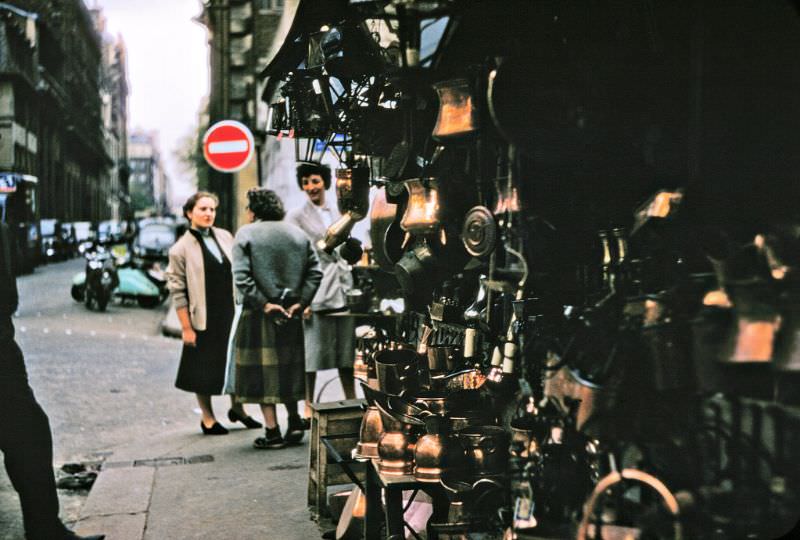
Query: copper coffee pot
x=433 y=451
x=396 y=444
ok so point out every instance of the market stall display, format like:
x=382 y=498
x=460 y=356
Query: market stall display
x=600 y=310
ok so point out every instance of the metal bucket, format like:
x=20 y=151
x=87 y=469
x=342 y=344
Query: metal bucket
x=398 y=371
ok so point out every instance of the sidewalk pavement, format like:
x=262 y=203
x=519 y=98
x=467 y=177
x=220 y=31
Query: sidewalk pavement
x=186 y=485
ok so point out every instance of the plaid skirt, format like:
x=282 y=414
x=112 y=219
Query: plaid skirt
x=269 y=359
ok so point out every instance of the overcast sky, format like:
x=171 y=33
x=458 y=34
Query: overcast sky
x=167 y=68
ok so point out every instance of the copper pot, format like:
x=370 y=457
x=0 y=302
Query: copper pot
x=432 y=401
x=369 y=434
x=485 y=449
x=352 y=196
x=396 y=452
x=398 y=371
x=468 y=418
x=396 y=444
x=423 y=213
x=434 y=451
x=757 y=322
x=371 y=424
x=444 y=358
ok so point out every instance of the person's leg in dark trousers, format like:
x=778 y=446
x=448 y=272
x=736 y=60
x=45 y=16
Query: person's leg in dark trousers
x=27 y=445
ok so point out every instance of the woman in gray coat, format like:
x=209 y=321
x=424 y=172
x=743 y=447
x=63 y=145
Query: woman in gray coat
x=276 y=274
x=329 y=339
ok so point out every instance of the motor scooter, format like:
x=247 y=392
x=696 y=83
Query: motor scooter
x=147 y=286
x=131 y=282
x=96 y=284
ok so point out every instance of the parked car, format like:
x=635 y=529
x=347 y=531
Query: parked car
x=154 y=239
x=52 y=243
x=69 y=240
x=108 y=232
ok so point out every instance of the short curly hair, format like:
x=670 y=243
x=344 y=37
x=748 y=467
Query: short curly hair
x=265 y=204
x=307 y=168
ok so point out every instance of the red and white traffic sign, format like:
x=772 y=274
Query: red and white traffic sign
x=228 y=146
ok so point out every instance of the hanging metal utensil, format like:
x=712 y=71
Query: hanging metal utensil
x=479 y=233
x=352 y=197
x=458 y=115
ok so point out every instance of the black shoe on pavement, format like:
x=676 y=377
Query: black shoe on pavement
x=72 y=536
x=294 y=432
x=216 y=429
x=248 y=421
x=271 y=441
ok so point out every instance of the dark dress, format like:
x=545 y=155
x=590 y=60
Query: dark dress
x=202 y=368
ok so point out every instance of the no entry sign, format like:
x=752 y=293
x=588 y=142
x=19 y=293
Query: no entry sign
x=228 y=146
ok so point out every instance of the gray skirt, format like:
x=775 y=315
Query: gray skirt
x=329 y=342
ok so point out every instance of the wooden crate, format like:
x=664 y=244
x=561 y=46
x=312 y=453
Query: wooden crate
x=341 y=421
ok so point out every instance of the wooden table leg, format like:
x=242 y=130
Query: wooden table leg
x=441 y=507
x=373 y=517
x=394 y=513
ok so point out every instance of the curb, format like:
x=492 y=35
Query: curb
x=118 y=504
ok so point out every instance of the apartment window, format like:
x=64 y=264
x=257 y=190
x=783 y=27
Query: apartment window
x=269 y=5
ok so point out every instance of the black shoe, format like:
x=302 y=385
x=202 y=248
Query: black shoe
x=294 y=432
x=72 y=536
x=248 y=421
x=216 y=429
x=271 y=441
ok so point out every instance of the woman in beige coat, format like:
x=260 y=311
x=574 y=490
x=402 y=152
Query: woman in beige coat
x=201 y=284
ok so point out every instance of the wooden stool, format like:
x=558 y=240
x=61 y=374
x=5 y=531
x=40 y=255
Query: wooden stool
x=338 y=422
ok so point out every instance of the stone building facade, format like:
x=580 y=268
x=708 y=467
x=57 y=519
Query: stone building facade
x=51 y=122
x=148 y=181
x=114 y=115
x=240 y=36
